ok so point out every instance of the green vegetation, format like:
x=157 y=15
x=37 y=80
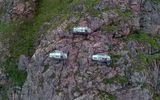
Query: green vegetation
x=70 y=25
x=156 y=97
x=125 y=14
x=3 y=92
x=115 y=57
x=7 y=27
x=106 y=96
x=89 y=4
x=143 y=60
x=148 y=87
x=1 y=11
x=110 y=28
x=157 y=1
x=114 y=26
x=17 y=76
x=139 y=67
x=116 y=79
x=144 y=37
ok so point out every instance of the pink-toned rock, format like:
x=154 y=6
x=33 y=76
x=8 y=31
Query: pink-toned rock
x=135 y=6
x=83 y=23
x=19 y=8
x=23 y=10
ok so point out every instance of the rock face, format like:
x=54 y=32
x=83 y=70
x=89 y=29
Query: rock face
x=1 y=3
x=150 y=21
x=71 y=78
x=131 y=76
x=3 y=78
x=23 y=62
x=134 y=94
x=18 y=9
x=23 y=10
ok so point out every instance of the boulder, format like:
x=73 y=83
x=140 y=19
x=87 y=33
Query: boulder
x=23 y=62
x=138 y=77
x=150 y=21
x=109 y=17
x=20 y=10
x=95 y=23
x=3 y=79
x=23 y=10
